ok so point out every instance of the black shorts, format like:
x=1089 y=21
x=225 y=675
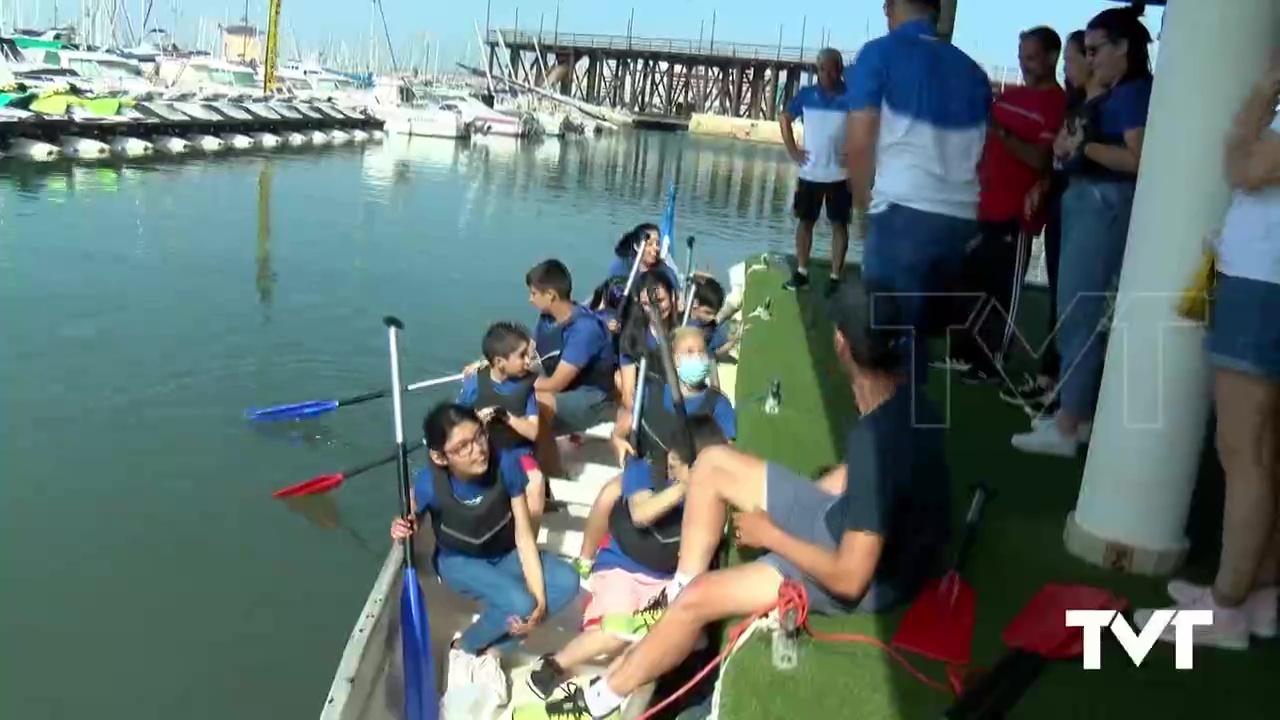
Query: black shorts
x=811 y=196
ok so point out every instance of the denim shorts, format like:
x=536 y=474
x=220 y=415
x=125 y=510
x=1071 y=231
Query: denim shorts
x=582 y=408
x=1244 y=327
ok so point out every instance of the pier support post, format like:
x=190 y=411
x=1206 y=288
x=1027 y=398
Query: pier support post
x=1150 y=426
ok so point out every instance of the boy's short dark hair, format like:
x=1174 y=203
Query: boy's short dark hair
x=502 y=339
x=869 y=323
x=550 y=275
x=1047 y=37
x=708 y=292
x=706 y=432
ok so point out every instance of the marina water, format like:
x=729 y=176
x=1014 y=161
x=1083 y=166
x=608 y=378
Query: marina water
x=147 y=572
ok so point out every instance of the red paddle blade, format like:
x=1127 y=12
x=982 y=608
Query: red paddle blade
x=1041 y=626
x=939 y=624
x=314 y=486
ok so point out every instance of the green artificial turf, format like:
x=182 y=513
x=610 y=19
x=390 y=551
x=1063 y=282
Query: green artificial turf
x=1019 y=550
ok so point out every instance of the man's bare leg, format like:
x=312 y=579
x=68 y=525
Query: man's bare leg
x=804 y=244
x=722 y=477
x=734 y=592
x=839 y=248
x=545 y=450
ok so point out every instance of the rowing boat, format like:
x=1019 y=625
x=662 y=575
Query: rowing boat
x=368 y=684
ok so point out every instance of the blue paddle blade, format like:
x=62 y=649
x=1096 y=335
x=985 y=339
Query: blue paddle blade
x=311 y=408
x=420 y=699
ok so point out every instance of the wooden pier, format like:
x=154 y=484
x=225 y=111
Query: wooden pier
x=662 y=77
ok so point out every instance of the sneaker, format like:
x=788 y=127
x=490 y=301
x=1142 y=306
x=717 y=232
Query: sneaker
x=1044 y=439
x=636 y=625
x=547 y=675
x=1259 y=609
x=1029 y=390
x=1084 y=431
x=487 y=673
x=461 y=669
x=798 y=281
x=975 y=376
x=573 y=706
x=833 y=286
x=1229 y=631
x=951 y=364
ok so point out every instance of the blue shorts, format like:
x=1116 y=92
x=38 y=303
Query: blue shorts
x=582 y=408
x=1244 y=327
x=799 y=507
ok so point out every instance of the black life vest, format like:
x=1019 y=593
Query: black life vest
x=486 y=529
x=501 y=436
x=549 y=338
x=657 y=546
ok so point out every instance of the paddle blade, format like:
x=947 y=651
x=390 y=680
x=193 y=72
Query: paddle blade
x=420 y=699
x=939 y=624
x=1041 y=628
x=295 y=411
x=314 y=486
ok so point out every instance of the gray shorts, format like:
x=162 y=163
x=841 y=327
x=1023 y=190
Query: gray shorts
x=799 y=507
x=582 y=408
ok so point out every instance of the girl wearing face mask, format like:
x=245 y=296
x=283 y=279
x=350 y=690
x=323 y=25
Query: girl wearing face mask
x=693 y=366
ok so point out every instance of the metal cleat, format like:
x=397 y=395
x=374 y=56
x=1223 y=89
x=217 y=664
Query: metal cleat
x=773 y=399
x=764 y=310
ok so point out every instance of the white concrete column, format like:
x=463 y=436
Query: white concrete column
x=1150 y=425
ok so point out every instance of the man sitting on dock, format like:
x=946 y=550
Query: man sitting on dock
x=918 y=111
x=823 y=179
x=863 y=537
x=576 y=391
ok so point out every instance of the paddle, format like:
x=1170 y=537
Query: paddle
x=939 y=624
x=312 y=408
x=684 y=437
x=325 y=483
x=421 y=702
x=687 y=290
x=1035 y=637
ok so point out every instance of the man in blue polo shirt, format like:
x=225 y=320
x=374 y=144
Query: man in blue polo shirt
x=918 y=109
x=823 y=181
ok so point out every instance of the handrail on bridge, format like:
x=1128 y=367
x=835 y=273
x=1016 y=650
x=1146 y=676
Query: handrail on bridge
x=730 y=50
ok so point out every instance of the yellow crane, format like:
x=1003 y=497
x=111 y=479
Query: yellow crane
x=271 y=59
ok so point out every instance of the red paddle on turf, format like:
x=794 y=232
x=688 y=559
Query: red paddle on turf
x=939 y=624
x=325 y=483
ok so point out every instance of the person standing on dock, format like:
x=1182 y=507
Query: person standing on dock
x=918 y=109
x=823 y=179
x=1018 y=155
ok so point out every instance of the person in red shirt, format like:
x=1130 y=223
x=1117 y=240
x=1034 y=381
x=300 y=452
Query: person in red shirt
x=1018 y=155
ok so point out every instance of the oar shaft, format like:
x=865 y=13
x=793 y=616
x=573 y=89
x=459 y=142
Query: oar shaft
x=397 y=409
x=688 y=284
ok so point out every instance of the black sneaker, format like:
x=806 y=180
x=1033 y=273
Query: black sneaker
x=547 y=675
x=1020 y=394
x=798 y=281
x=573 y=706
x=978 y=376
x=833 y=287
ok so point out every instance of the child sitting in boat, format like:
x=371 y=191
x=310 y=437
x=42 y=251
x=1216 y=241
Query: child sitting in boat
x=644 y=240
x=485 y=546
x=637 y=562
x=576 y=391
x=708 y=300
x=637 y=337
x=689 y=350
x=502 y=396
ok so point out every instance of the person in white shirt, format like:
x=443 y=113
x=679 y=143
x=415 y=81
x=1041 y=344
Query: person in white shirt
x=1244 y=349
x=823 y=180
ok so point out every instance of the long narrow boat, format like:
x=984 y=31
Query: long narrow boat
x=369 y=683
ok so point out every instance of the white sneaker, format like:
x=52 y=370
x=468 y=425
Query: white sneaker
x=1229 y=631
x=1044 y=439
x=1260 y=609
x=488 y=674
x=1084 y=431
x=461 y=669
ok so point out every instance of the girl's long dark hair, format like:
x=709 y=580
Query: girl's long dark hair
x=441 y=421
x=633 y=339
x=1126 y=24
x=626 y=245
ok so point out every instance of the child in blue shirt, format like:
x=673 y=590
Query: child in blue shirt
x=645 y=240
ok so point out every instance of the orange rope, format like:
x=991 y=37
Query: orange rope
x=792 y=597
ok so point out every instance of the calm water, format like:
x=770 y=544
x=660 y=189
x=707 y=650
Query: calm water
x=147 y=573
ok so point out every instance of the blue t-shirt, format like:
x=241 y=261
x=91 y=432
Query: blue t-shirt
x=470 y=393
x=510 y=471
x=823 y=114
x=717 y=334
x=1124 y=108
x=636 y=478
x=583 y=341
x=650 y=343
x=899 y=488
x=621 y=267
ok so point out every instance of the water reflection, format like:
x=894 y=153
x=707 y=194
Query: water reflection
x=265 y=277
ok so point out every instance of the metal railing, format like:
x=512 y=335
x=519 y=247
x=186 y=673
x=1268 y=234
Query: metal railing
x=550 y=41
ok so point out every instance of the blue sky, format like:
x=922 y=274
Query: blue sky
x=987 y=29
